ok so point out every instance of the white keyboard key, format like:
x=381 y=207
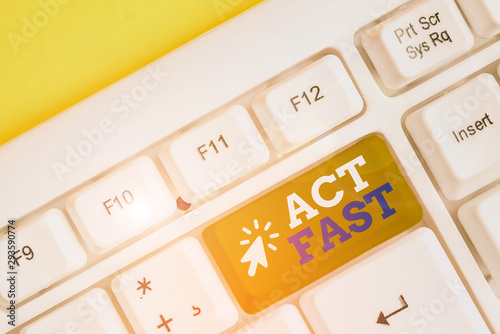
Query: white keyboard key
x=480 y=218
x=483 y=16
x=47 y=250
x=92 y=312
x=284 y=320
x=316 y=99
x=121 y=205
x=458 y=136
x=176 y=290
x=408 y=287
x=214 y=154
x=416 y=41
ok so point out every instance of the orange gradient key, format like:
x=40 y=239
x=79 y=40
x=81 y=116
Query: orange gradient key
x=313 y=224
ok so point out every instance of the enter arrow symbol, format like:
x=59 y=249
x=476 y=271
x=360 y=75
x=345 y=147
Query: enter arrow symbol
x=382 y=319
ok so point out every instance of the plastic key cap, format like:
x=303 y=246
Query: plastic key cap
x=479 y=217
x=320 y=219
x=483 y=15
x=416 y=41
x=408 y=287
x=175 y=290
x=458 y=136
x=92 y=312
x=121 y=205
x=46 y=251
x=214 y=154
x=314 y=100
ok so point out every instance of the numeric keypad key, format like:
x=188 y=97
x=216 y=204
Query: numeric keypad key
x=175 y=291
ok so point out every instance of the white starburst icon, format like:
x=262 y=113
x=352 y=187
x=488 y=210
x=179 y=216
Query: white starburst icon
x=256 y=253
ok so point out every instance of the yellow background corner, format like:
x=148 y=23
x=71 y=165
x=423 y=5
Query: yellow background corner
x=55 y=53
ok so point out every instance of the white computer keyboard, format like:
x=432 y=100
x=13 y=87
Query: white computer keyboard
x=307 y=167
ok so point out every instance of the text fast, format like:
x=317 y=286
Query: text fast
x=296 y=206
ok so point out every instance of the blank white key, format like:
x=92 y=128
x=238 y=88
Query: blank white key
x=416 y=41
x=92 y=312
x=314 y=100
x=483 y=16
x=408 y=287
x=47 y=250
x=458 y=136
x=214 y=154
x=121 y=205
x=284 y=320
x=480 y=218
x=177 y=291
